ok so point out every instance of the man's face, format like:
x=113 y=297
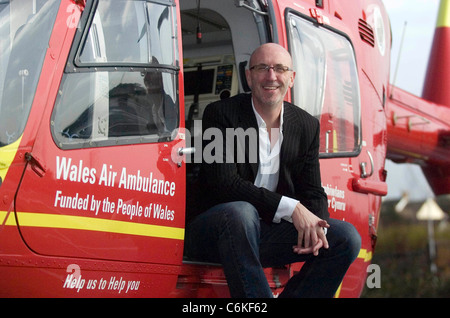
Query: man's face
x=269 y=86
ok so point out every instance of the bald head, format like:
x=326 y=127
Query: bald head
x=273 y=50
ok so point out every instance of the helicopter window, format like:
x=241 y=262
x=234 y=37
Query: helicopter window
x=326 y=84
x=111 y=108
x=25 y=28
x=130 y=32
x=130 y=96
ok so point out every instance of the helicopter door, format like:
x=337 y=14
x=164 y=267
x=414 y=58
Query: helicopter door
x=327 y=86
x=105 y=179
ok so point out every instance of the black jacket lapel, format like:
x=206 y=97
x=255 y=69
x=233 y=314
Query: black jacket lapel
x=288 y=155
x=247 y=120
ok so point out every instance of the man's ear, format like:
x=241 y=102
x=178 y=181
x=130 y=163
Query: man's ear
x=243 y=76
x=292 y=80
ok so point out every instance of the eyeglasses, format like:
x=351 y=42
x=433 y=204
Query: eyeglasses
x=279 y=69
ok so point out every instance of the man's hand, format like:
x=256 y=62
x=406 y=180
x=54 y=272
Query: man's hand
x=311 y=236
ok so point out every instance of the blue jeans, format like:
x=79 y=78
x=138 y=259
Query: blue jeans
x=233 y=235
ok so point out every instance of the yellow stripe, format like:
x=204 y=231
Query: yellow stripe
x=365 y=255
x=7 y=155
x=338 y=291
x=111 y=226
x=335 y=142
x=93 y=224
x=444 y=14
x=10 y=221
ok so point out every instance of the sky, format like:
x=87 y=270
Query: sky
x=420 y=17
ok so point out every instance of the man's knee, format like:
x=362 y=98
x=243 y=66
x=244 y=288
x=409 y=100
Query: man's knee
x=349 y=238
x=353 y=241
x=241 y=214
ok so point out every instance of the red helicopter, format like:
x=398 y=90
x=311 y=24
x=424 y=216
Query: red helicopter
x=99 y=102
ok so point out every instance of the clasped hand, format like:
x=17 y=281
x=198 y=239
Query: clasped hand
x=311 y=236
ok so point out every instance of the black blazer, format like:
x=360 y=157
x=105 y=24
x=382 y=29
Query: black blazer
x=299 y=163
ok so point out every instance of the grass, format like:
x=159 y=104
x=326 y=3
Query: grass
x=403 y=257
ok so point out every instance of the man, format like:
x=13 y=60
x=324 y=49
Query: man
x=271 y=211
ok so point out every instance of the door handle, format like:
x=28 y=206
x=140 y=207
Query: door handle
x=361 y=185
x=36 y=166
x=363 y=166
x=186 y=151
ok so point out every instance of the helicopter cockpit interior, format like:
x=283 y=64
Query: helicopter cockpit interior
x=215 y=50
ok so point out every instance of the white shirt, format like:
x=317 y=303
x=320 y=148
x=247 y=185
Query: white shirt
x=269 y=166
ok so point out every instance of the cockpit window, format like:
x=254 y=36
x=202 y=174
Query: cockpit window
x=123 y=86
x=25 y=28
x=127 y=32
x=326 y=84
